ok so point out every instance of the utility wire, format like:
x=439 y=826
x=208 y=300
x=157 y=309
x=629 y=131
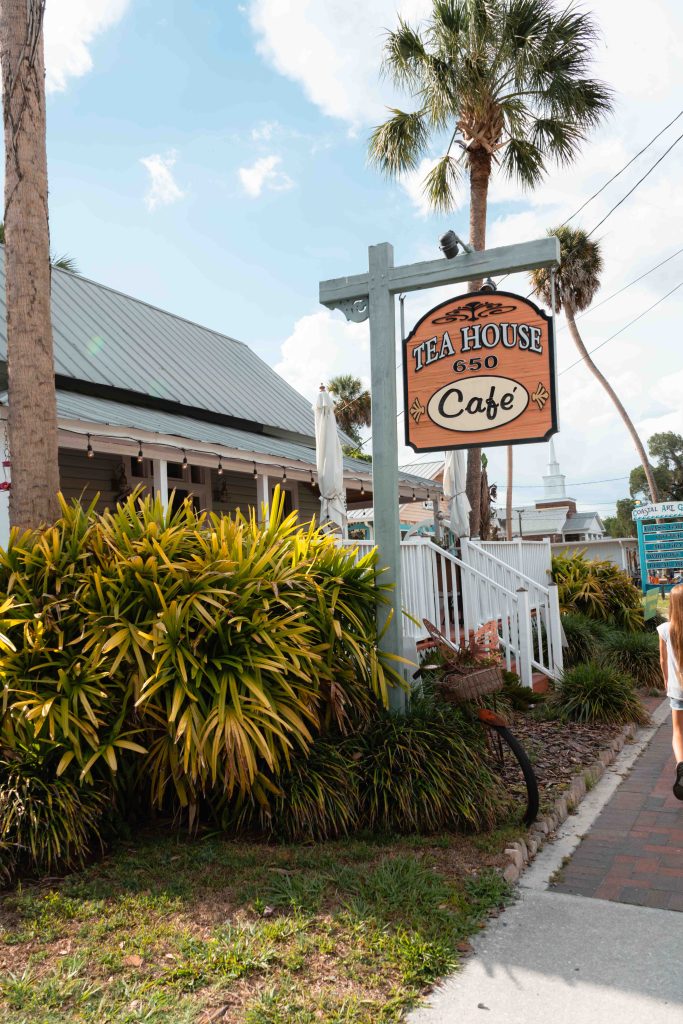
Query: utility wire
x=639 y=182
x=622 y=329
x=615 y=176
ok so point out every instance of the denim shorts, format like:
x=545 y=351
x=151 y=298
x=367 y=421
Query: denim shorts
x=676 y=703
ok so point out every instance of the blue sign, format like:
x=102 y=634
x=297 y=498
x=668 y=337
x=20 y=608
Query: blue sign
x=660 y=544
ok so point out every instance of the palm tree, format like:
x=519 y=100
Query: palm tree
x=576 y=283
x=63 y=262
x=501 y=84
x=32 y=417
x=352 y=404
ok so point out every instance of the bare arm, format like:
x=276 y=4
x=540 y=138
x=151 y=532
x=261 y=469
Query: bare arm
x=663 y=661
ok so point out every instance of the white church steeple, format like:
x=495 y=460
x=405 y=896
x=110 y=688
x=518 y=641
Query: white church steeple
x=553 y=481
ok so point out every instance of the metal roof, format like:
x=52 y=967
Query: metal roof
x=426 y=469
x=129 y=418
x=104 y=337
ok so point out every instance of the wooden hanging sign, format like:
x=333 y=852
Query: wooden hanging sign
x=479 y=371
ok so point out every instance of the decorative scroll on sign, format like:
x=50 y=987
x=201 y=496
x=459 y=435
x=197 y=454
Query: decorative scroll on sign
x=479 y=370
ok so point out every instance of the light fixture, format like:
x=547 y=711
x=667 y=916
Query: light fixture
x=255 y=473
x=284 y=475
x=448 y=244
x=362 y=489
x=90 y=453
x=139 y=451
x=184 y=465
x=312 y=479
x=413 y=498
x=489 y=285
x=220 y=467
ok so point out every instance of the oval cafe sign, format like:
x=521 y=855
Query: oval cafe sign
x=479 y=370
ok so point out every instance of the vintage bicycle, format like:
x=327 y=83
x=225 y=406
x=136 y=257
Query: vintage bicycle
x=468 y=685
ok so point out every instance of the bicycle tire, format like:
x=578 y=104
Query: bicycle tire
x=524 y=763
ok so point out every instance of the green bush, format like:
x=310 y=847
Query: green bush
x=47 y=824
x=595 y=692
x=635 y=655
x=181 y=653
x=424 y=772
x=581 y=646
x=599 y=590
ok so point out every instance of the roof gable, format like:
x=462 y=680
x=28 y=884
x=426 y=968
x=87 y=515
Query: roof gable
x=103 y=337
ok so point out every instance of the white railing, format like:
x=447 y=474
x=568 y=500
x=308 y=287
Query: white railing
x=438 y=586
x=533 y=558
x=542 y=600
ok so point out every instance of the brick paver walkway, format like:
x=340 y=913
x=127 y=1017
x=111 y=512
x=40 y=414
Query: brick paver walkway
x=634 y=851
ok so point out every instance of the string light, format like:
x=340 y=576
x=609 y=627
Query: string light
x=413 y=498
x=89 y=452
x=184 y=466
x=139 y=451
x=255 y=473
x=220 y=467
x=362 y=489
x=312 y=479
x=284 y=475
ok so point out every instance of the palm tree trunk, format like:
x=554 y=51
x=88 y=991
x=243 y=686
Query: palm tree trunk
x=576 y=337
x=480 y=172
x=508 y=495
x=30 y=360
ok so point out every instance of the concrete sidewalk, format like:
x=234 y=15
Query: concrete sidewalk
x=557 y=958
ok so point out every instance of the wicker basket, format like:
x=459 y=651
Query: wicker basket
x=469 y=685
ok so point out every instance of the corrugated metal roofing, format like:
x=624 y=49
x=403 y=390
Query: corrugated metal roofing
x=89 y=410
x=105 y=337
x=427 y=469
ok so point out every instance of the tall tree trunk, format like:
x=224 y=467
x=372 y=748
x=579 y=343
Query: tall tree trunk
x=578 y=341
x=30 y=359
x=508 y=495
x=480 y=172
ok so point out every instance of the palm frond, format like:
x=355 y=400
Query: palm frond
x=398 y=144
x=441 y=184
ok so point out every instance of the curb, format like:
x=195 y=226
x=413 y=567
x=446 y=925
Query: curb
x=522 y=852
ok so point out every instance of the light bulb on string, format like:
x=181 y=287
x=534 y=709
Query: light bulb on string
x=220 y=467
x=312 y=479
x=255 y=473
x=139 y=451
x=89 y=452
x=362 y=489
x=284 y=475
x=184 y=466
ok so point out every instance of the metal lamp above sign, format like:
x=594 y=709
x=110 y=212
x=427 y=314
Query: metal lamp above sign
x=479 y=370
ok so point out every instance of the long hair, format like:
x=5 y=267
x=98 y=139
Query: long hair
x=676 y=627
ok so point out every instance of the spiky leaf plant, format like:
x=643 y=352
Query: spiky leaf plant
x=47 y=824
x=594 y=692
x=599 y=590
x=635 y=655
x=580 y=637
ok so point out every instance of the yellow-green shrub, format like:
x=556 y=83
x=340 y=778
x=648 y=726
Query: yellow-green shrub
x=200 y=649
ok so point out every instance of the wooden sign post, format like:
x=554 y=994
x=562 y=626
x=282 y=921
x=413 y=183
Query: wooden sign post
x=371 y=295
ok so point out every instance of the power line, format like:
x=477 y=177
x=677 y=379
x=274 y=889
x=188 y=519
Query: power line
x=615 y=176
x=626 y=286
x=626 y=165
x=639 y=182
x=579 y=483
x=622 y=329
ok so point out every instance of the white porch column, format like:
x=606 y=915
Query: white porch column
x=160 y=480
x=263 y=493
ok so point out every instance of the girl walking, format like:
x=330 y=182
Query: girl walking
x=671 y=657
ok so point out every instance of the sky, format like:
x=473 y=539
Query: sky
x=210 y=158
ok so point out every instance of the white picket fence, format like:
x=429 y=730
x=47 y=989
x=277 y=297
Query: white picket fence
x=448 y=591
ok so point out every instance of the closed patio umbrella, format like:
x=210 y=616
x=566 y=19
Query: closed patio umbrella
x=454 y=491
x=329 y=461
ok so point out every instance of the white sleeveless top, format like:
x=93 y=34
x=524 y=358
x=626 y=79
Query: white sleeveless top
x=674 y=687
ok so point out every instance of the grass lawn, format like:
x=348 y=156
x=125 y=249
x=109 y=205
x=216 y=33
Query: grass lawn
x=179 y=931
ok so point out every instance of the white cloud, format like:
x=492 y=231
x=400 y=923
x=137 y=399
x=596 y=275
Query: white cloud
x=321 y=346
x=264 y=174
x=163 y=189
x=332 y=49
x=70 y=28
x=412 y=183
x=264 y=131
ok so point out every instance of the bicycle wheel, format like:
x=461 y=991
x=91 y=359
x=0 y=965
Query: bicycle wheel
x=520 y=755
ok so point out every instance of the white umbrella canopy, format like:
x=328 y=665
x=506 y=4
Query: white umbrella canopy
x=330 y=464
x=455 y=492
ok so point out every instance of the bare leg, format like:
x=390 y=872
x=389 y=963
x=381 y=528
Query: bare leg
x=677 y=722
